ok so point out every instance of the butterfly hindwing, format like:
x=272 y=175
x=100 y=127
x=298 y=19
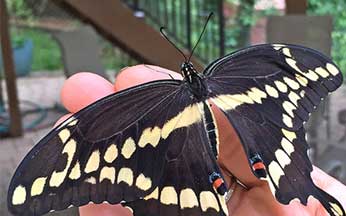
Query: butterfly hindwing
x=184 y=188
x=281 y=85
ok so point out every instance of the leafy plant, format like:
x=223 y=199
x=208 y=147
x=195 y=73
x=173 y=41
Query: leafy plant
x=18 y=9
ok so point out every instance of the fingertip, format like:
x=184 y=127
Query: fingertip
x=139 y=74
x=83 y=89
x=104 y=210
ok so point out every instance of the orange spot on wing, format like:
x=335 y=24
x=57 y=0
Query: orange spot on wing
x=217 y=183
x=258 y=165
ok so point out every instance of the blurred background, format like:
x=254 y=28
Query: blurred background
x=45 y=41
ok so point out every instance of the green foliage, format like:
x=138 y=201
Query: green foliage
x=237 y=35
x=17 y=41
x=336 y=9
x=18 y=9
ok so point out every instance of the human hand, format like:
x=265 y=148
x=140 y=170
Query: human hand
x=85 y=88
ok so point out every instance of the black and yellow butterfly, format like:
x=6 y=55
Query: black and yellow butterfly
x=153 y=147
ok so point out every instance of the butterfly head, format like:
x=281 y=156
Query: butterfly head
x=187 y=69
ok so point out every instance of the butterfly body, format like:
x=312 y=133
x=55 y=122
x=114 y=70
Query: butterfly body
x=195 y=81
x=153 y=147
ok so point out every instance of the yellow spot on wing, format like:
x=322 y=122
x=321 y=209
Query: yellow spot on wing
x=38 y=186
x=190 y=115
x=287 y=120
x=288 y=107
x=91 y=180
x=169 y=196
x=19 y=195
x=230 y=102
x=310 y=74
x=75 y=172
x=322 y=72
x=208 y=200
x=188 y=198
x=293 y=64
x=287 y=146
x=93 y=162
x=222 y=201
x=282 y=157
x=294 y=98
x=128 y=148
x=107 y=173
x=153 y=195
x=143 y=183
x=278 y=46
x=150 y=136
x=281 y=86
x=125 y=175
x=275 y=172
x=291 y=83
x=271 y=91
x=58 y=178
x=302 y=80
x=336 y=208
x=287 y=52
x=64 y=135
x=185 y=118
x=73 y=122
x=256 y=94
x=111 y=153
x=289 y=134
x=332 y=69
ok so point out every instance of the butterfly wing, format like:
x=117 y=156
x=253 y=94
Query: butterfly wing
x=118 y=149
x=186 y=180
x=269 y=91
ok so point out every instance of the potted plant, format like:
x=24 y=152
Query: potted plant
x=22 y=47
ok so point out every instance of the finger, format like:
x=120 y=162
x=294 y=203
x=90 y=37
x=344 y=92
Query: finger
x=140 y=74
x=83 y=89
x=104 y=210
x=79 y=91
x=330 y=185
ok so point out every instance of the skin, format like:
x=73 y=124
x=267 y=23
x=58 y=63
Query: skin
x=85 y=88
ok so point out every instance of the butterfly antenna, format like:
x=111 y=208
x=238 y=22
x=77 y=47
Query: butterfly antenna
x=200 y=36
x=165 y=36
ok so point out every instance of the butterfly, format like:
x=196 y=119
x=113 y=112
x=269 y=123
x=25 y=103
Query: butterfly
x=153 y=147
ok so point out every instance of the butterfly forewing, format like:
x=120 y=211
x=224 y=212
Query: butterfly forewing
x=268 y=92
